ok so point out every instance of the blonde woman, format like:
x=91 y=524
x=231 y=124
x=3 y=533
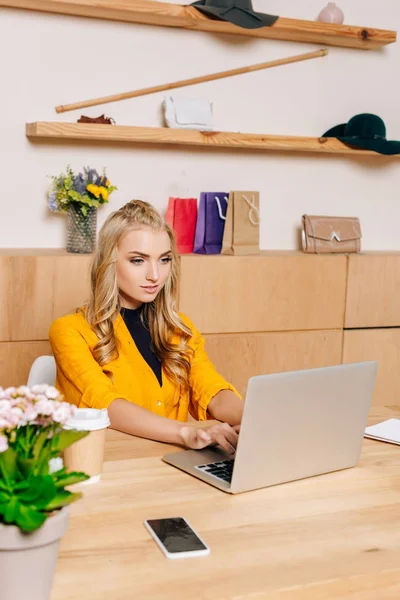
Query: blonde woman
x=130 y=351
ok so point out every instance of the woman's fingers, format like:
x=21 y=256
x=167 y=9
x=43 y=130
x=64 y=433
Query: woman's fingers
x=222 y=434
x=195 y=438
x=203 y=437
x=221 y=440
x=230 y=434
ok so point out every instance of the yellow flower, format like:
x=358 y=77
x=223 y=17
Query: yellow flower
x=94 y=189
x=104 y=193
x=108 y=182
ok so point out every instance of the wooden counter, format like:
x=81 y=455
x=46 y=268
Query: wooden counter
x=268 y=313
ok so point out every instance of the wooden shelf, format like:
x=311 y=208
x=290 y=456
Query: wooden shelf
x=189 y=137
x=174 y=15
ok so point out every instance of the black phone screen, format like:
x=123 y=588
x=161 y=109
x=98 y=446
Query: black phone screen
x=176 y=535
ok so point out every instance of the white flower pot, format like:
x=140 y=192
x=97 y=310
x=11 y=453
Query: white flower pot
x=28 y=560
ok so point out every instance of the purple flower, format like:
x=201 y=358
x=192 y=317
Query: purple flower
x=91 y=175
x=52 y=202
x=101 y=180
x=79 y=184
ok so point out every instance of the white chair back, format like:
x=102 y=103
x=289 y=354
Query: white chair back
x=43 y=370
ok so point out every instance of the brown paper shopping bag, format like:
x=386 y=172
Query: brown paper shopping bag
x=242 y=225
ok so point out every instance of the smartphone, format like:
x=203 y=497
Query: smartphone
x=176 y=538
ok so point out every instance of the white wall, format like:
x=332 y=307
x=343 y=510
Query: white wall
x=48 y=60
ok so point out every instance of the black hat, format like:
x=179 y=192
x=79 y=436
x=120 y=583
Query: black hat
x=238 y=12
x=365 y=131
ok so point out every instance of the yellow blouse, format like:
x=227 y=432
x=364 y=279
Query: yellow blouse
x=83 y=382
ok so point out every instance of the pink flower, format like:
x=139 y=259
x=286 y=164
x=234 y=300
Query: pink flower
x=5 y=415
x=37 y=405
x=39 y=389
x=44 y=406
x=15 y=415
x=4 y=423
x=11 y=417
x=63 y=413
x=22 y=390
x=52 y=393
x=3 y=443
x=29 y=415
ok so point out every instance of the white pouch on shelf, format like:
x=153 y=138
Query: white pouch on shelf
x=188 y=113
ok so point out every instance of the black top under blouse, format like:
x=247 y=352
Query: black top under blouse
x=142 y=338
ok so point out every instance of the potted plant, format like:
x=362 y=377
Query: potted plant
x=33 y=496
x=80 y=195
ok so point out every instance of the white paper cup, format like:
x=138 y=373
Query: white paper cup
x=87 y=455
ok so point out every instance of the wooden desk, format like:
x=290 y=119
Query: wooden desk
x=326 y=538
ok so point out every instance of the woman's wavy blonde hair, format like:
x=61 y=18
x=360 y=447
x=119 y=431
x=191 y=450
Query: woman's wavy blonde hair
x=160 y=315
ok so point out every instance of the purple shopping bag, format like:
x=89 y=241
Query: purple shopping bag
x=210 y=222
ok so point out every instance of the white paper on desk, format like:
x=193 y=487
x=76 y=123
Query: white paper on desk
x=387 y=431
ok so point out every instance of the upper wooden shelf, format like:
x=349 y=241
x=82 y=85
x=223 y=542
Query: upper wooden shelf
x=189 y=137
x=164 y=14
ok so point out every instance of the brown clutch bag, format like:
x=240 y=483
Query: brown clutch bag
x=102 y=120
x=331 y=234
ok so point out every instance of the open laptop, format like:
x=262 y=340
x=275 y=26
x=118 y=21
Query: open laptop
x=295 y=425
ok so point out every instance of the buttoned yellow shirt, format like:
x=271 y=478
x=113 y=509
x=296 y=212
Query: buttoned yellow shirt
x=83 y=382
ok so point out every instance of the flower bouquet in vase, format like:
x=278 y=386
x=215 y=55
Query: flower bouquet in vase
x=80 y=195
x=33 y=496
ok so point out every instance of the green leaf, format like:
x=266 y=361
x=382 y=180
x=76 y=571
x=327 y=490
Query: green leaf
x=11 y=510
x=22 y=485
x=75 y=196
x=43 y=467
x=47 y=493
x=8 y=466
x=90 y=201
x=62 y=498
x=66 y=438
x=28 y=519
x=39 y=443
x=41 y=490
x=70 y=479
x=58 y=474
x=4 y=497
x=26 y=466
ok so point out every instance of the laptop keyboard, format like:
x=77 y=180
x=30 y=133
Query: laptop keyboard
x=221 y=470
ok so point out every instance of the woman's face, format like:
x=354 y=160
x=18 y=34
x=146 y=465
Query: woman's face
x=143 y=265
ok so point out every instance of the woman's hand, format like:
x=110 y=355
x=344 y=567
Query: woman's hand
x=200 y=437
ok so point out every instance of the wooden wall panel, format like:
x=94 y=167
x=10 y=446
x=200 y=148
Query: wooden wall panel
x=5 y=333
x=240 y=356
x=373 y=291
x=43 y=288
x=224 y=294
x=16 y=359
x=382 y=345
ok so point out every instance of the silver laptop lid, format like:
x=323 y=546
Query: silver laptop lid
x=302 y=423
